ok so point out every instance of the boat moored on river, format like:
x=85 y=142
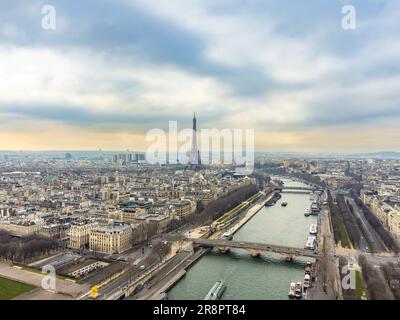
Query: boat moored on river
x=298 y=292
x=216 y=291
x=313 y=229
x=292 y=289
x=315 y=208
x=307 y=281
x=273 y=200
x=307 y=268
x=311 y=243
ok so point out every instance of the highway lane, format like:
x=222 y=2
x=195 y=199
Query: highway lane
x=167 y=272
x=128 y=277
x=371 y=235
x=148 y=277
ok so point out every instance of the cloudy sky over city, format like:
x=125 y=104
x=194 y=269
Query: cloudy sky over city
x=112 y=70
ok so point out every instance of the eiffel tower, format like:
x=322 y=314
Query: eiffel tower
x=194 y=160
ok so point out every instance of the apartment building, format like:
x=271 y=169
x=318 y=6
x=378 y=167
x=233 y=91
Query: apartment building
x=182 y=208
x=394 y=223
x=79 y=234
x=111 y=239
x=22 y=228
x=127 y=215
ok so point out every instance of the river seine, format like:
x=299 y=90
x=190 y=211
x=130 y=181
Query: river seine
x=264 y=277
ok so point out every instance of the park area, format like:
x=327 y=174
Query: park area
x=9 y=289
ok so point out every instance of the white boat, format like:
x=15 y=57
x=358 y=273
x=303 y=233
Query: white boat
x=307 y=281
x=298 y=292
x=313 y=229
x=311 y=242
x=315 y=208
x=307 y=268
x=307 y=212
x=292 y=290
x=216 y=291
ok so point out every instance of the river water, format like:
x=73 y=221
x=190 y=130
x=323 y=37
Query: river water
x=265 y=277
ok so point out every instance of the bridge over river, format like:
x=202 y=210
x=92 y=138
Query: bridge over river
x=298 y=189
x=254 y=248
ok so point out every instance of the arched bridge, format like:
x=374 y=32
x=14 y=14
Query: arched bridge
x=307 y=189
x=254 y=248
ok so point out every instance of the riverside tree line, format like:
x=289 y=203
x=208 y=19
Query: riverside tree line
x=204 y=214
x=348 y=227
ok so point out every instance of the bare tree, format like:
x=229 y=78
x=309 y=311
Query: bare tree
x=161 y=248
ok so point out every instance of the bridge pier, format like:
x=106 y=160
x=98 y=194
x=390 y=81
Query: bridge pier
x=289 y=258
x=223 y=249
x=255 y=253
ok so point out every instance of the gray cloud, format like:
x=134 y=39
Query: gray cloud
x=280 y=65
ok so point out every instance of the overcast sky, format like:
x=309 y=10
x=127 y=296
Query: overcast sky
x=112 y=70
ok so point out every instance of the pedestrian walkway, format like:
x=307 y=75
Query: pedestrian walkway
x=64 y=286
